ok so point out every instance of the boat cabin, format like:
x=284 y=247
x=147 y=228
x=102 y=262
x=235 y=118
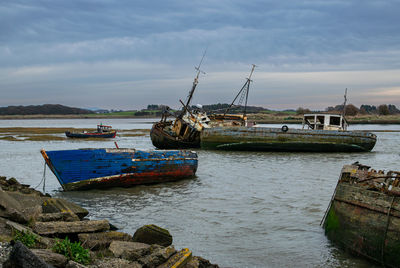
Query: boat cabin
x=102 y=128
x=325 y=121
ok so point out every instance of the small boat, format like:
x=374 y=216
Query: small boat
x=102 y=132
x=102 y=168
x=363 y=216
x=320 y=133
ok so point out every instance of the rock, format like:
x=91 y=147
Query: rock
x=55 y=259
x=72 y=264
x=5 y=231
x=75 y=227
x=129 y=250
x=21 y=256
x=96 y=241
x=5 y=250
x=12 y=181
x=55 y=205
x=43 y=242
x=115 y=262
x=157 y=256
x=57 y=216
x=199 y=262
x=180 y=259
x=12 y=207
x=152 y=234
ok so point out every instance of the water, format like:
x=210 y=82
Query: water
x=243 y=209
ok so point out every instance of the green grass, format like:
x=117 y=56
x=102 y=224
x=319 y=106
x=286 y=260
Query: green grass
x=72 y=250
x=28 y=238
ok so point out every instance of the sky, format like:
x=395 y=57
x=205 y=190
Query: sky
x=127 y=54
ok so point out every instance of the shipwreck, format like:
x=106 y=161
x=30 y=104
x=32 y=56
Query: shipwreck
x=363 y=216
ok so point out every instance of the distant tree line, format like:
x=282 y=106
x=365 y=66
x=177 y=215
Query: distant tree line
x=46 y=109
x=383 y=109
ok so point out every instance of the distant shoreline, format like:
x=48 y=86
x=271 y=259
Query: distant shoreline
x=258 y=118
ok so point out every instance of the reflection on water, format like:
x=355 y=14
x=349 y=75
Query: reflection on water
x=243 y=209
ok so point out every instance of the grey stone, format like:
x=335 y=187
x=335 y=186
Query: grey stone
x=72 y=264
x=129 y=250
x=157 y=256
x=55 y=259
x=57 y=216
x=56 y=205
x=75 y=227
x=22 y=257
x=114 y=262
x=96 y=241
x=153 y=234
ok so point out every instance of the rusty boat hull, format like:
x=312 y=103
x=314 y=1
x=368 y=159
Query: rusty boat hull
x=364 y=215
x=284 y=139
x=103 y=168
x=163 y=139
x=86 y=135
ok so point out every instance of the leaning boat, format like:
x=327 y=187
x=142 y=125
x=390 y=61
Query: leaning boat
x=101 y=132
x=320 y=133
x=364 y=214
x=102 y=168
x=184 y=132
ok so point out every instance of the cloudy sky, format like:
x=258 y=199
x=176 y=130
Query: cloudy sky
x=126 y=54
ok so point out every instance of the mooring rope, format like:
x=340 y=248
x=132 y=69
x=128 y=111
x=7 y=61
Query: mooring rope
x=43 y=179
x=384 y=236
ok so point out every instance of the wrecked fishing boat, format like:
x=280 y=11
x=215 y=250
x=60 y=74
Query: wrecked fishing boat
x=320 y=133
x=102 y=168
x=184 y=131
x=101 y=132
x=363 y=216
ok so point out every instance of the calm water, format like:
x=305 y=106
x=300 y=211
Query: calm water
x=243 y=209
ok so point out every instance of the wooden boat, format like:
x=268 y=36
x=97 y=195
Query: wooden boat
x=184 y=131
x=325 y=133
x=102 y=132
x=103 y=168
x=364 y=214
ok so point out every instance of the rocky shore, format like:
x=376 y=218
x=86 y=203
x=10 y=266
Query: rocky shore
x=37 y=230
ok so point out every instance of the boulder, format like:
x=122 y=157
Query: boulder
x=22 y=257
x=115 y=262
x=129 y=250
x=55 y=205
x=19 y=207
x=179 y=259
x=42 y=242
x=96 y=241
x=72 y=264
x=157 y=256
x=50 y=257
x=75 y=227
x=199 y=262
x=57 y=216
x=5 y=231
x=152 y=234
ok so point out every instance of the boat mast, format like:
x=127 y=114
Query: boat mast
x=195 y=82
x=245 y=87
x=344 y=109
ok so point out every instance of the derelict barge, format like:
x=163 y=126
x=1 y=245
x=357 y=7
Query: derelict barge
x=364 y=214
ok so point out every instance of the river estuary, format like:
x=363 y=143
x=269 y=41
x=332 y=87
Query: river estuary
x=243 y=209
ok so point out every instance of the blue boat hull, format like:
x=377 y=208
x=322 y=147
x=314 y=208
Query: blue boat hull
x=102 y=168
